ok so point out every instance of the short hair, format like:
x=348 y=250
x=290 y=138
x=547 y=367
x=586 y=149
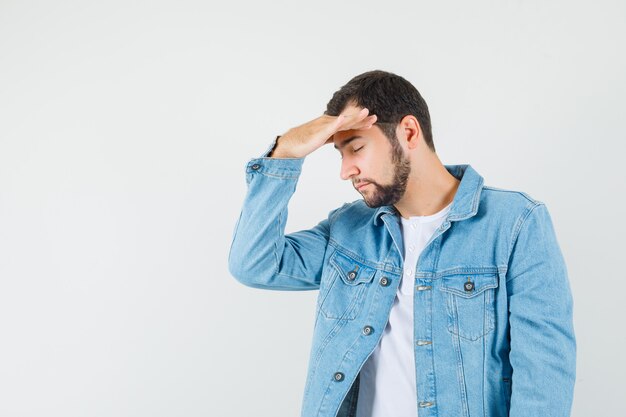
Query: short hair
x=389 y=96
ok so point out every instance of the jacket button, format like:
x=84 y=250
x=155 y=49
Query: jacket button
x=367 y=330
x=338 y=376
x=384 y=281
x=469 y=285
x=351 y=275
x=255 y=166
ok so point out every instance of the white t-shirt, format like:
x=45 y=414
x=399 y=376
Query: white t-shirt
x=387 y=382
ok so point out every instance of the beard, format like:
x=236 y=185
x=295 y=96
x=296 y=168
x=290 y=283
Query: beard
x=386 y=195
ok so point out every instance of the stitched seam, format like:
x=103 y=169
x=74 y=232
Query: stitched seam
x=354 y=256
x=517 y=231
x=523 y=194
x=284 y=177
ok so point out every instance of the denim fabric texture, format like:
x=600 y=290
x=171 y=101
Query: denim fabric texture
x=492 y=303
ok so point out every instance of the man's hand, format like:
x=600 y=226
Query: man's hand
x=302 y=140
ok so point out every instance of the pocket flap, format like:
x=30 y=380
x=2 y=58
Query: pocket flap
x=470 y=284
x=351 y=272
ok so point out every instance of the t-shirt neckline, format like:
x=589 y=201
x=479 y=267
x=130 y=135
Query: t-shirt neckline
x=428 y=218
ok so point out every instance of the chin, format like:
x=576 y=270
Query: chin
x=371 y=204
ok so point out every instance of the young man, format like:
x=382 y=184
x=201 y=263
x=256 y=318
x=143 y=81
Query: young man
x=439 y=296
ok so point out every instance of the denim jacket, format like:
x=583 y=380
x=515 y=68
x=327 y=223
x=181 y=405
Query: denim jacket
x=492 y=304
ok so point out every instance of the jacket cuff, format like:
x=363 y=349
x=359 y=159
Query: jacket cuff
x=275 y=167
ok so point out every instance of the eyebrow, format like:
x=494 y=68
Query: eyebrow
x=345 y=142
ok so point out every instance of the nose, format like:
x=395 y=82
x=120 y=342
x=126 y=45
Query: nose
x=348 y=169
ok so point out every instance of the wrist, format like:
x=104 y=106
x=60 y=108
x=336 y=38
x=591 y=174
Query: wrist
x=279 y=151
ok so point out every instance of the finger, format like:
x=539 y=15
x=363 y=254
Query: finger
x=352 y=116
x=348 y=120
x=353 y=111
x=365 y=123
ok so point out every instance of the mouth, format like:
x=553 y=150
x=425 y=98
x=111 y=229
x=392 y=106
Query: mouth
x=360 y=186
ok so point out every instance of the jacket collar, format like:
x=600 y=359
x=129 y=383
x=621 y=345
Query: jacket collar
x=466 y=199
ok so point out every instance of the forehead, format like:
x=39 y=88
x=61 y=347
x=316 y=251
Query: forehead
x=344 y=137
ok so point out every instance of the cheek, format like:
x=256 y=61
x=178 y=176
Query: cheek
x=385 y=168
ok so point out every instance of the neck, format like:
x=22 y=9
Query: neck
x=429 y=189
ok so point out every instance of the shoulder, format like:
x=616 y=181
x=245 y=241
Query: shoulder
x=507 y=201
x=512 y=210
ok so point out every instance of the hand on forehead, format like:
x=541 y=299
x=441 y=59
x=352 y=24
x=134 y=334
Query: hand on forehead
x=351 y=109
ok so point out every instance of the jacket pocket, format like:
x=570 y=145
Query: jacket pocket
x=470 y=303
x=346 y=280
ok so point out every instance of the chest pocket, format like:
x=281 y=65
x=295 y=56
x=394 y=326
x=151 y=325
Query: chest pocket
x=345 y=280
x=470 y=303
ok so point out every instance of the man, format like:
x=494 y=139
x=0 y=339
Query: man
x=439 y=296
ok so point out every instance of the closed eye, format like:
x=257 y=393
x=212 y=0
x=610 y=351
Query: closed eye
x=353 y=151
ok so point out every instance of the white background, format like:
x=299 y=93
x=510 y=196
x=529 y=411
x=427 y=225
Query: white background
x=125 y=127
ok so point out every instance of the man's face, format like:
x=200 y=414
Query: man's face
x=378 y=170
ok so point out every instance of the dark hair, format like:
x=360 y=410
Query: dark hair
x=388 y=96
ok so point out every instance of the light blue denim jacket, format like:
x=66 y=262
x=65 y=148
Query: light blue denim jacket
x=492 y=303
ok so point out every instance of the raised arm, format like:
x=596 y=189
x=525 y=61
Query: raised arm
x=261 y=255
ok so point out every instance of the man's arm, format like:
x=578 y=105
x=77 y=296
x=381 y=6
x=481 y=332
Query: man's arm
x=261 y=255
x=543 y=347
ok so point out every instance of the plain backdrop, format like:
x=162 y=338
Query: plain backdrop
x=125 y=128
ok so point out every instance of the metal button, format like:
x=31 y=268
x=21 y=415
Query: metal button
x=367 y=330
x=423 y=342
x=423 y=287
x=351 y=275
x=255 y=166
x=469 y=285
x=338 y=376
x=384 y=281
x=426 y=403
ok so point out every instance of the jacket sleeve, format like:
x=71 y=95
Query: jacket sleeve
x=543 y=346
x=261 y=255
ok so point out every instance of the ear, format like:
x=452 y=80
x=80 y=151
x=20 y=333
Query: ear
x=410 y=128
